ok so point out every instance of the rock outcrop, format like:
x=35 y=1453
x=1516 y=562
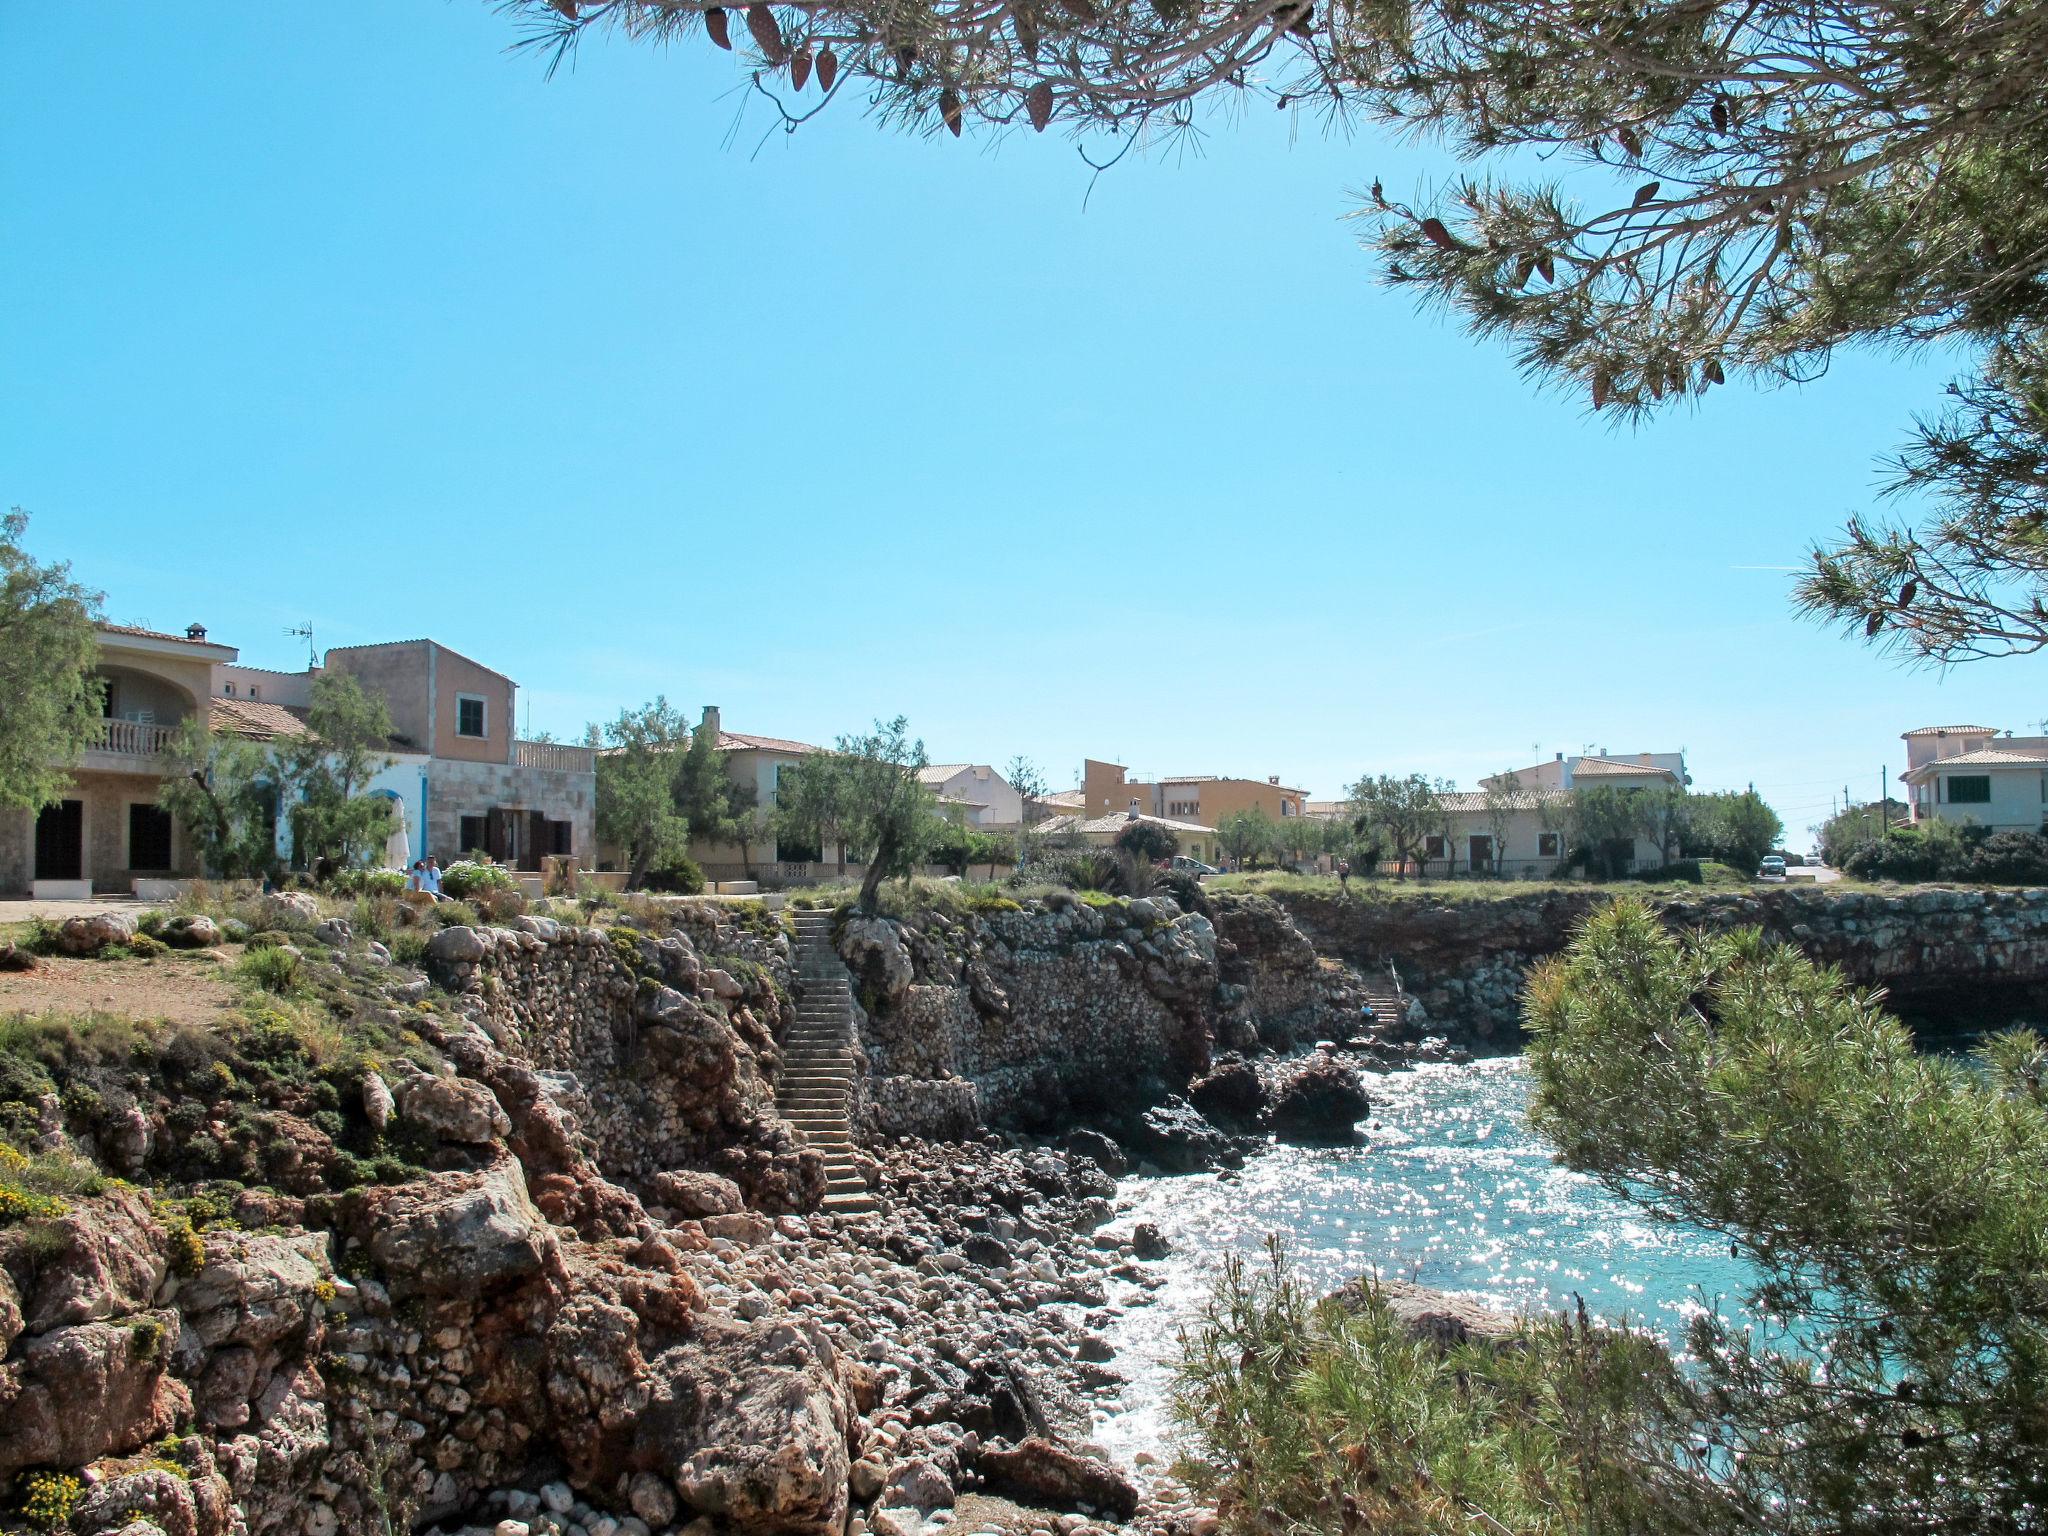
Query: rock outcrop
x=1941 y=954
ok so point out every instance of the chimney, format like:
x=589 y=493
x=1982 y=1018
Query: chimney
x=1560 y=757
x=1273 y=779
x=1603 y=751
x=1642 y=757
x=195 y=631
x=710 y=722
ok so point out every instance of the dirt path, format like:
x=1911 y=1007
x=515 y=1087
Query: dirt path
x=183 y=989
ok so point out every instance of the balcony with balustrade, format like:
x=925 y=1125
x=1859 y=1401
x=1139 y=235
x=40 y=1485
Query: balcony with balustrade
x=554 y=757
x=127 y=746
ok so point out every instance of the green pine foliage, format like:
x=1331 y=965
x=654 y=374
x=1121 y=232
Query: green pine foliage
x=1892 y=1204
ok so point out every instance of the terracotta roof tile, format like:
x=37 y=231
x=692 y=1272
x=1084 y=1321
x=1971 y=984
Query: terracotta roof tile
x=255 y=719
x=1948 y=730
x=733 y=741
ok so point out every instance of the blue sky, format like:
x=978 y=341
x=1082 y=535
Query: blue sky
x=347 y=315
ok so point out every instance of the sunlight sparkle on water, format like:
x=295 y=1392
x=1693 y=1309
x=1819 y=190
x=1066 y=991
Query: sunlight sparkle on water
x=1451 y=1189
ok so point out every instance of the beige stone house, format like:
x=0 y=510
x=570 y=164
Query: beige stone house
x=107 y=832
x=480 y=788
x=1195 y=799
x=454 y=768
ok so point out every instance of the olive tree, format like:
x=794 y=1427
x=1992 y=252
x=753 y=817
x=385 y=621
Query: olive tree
x=47 y=650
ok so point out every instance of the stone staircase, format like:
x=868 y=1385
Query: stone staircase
x=817 y=1064
x=1389 y=1002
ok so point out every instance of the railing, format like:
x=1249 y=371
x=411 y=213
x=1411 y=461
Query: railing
x=130 y=738
x=554 y=756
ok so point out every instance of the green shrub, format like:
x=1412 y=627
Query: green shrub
x=39 y=936
x=464 y=879
x=368 y=882
x=273 y=968
x=409 y=947
x=147 y=947
x=152 y=923
x=1677 y=872
x=456 y=914
x=677 y=876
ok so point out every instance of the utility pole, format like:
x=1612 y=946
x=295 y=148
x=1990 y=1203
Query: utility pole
x=1884 y=811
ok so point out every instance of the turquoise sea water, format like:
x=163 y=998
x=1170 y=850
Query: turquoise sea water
x=1451 y=1189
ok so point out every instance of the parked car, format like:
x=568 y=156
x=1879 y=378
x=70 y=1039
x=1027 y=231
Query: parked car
x=1184 y=865
x=1772 y=868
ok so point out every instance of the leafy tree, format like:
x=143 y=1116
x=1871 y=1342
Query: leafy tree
x=1248 y=835
x=1737 y=828
x=716 y=807
x=1849 y=829
x=1600 y=825
x=1504 y=797
x=47 y=650
x=1400 y=813
x=1750 y=829
x=1147 y=840
x=637 y=778
x=889 y=809
x=223 y=791
x=1667 y=197
x=348 y=732
x=1028 y=779
x=811 y=805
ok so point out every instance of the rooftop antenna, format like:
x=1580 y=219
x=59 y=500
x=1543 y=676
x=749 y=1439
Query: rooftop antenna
x=305 y=632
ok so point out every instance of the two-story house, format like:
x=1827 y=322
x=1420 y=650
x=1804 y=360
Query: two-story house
x=107 y=832
x=1197 y=799
x=1972 y=774
x=478 y=788
x=974 y=793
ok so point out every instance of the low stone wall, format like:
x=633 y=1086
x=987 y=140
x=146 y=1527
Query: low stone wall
x=1945 y=956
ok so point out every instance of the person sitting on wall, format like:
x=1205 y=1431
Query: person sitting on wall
x=416 y=877
x=430 y=879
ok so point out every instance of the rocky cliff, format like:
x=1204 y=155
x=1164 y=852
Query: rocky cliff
x=1030 y=1017
x=522 y=1248
x=1943 y=955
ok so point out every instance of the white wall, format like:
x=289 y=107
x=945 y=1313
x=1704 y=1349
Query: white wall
x=2016 y=803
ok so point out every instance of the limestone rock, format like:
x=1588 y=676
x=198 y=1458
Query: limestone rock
x=691 y=1193
x=1231 y=1094
x=76 y=1394
x=1176 y=1137
x=1435 y=1316
x=455 y=1234
x=1322 y=1100
x=191 y=930
x=103 y=1258
x=457 y=946
x=378 y=1103
x=92 y=932
x=1041 y=1472
x=454 y=1109
x=290 y=909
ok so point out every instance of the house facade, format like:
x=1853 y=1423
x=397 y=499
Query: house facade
x=759 y=763
x=1203 y=800
x=107 y=832
x=477 y=787
x=456 y=776
x=975 y=793
x=1971 y=774
x=1195 y=841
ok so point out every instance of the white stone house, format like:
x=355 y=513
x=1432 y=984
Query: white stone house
x=976 y=793
x=1972 y=775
